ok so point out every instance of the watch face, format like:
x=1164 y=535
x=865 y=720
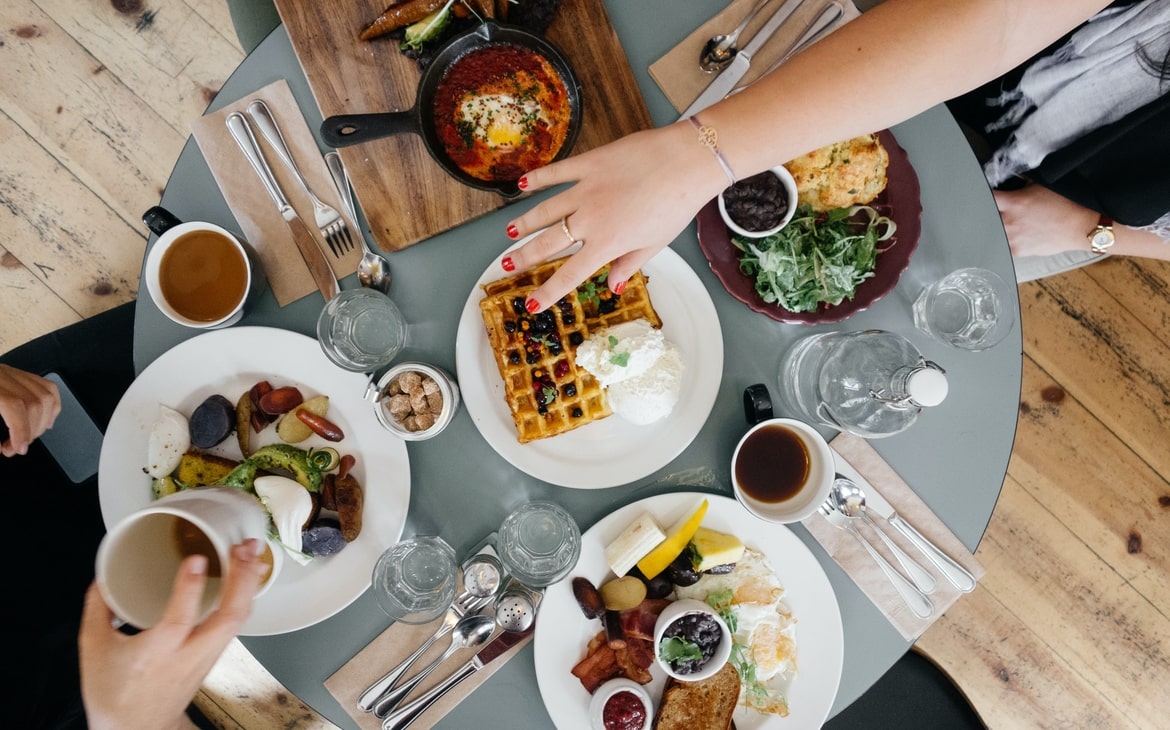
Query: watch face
x=1101 y=239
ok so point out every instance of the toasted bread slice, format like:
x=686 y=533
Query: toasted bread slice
x=704 y=705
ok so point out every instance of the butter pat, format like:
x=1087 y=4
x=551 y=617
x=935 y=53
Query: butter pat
x=638 y=539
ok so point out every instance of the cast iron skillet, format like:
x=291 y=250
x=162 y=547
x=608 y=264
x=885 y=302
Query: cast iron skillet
x=350 y=129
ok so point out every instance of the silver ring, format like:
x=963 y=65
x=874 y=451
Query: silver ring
x=568 y=233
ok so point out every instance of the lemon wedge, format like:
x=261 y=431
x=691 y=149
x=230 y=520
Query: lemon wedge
x=677 y=538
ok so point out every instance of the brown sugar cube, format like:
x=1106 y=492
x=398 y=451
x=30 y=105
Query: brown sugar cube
x=424 y=421
x=409 y=381
x=399 y=406
x=418 y=401
x=435 y=402
x=429 y=385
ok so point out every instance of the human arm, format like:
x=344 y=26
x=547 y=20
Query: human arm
x=28 y=404
x=635 y=195
x=1040 y=222
x=148 y=679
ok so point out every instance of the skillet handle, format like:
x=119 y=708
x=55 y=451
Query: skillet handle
x=344 y=130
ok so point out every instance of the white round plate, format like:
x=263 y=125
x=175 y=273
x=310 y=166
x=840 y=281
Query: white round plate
x=562 y=631
x=611 y=451
x=229 y=362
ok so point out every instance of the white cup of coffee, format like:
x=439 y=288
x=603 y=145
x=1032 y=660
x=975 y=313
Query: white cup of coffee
x=139 y=557
x=782 y=470
x=198 y=274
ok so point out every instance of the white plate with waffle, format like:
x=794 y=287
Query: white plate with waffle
x=611 y=451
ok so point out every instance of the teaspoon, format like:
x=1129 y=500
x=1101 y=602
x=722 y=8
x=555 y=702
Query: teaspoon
x=720 y=49
x=469 y=633
x=373 y=270
x=851 y=502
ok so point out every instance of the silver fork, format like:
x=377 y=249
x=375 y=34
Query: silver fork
x=331 y=224
x=464 y=604
x=915 y=599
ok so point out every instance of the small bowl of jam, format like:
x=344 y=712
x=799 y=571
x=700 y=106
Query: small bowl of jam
x=691 y=641
x=760 y=205
x=620 y=704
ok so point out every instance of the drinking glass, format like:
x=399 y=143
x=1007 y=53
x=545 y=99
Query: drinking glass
x=414 y=580
x=539 y=543
x=968 y=308
x=361 y=330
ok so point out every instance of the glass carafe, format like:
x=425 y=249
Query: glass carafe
x=871 y=383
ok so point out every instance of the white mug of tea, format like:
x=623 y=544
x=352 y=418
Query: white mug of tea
x=198 y=274
x=782 y=470
x=138 y=558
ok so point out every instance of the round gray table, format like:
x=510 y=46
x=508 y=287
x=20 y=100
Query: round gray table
x=955 y=457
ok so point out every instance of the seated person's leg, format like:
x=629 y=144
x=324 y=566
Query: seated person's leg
x=254 y=20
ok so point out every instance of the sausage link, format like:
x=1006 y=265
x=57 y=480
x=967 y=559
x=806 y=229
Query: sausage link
x=321 y=426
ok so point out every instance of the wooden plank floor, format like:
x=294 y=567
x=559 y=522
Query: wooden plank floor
x=1069 y=629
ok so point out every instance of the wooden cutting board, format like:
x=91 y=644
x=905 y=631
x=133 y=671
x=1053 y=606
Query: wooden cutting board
x=405 y=195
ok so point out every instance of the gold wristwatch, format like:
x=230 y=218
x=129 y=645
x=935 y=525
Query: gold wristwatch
x=1101 y=238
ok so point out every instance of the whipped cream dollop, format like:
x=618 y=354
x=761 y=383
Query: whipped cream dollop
x=640 y=370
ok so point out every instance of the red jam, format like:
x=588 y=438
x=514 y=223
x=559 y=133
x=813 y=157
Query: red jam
x=624 y=711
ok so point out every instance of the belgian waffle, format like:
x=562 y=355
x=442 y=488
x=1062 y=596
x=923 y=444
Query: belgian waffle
x=546 y=392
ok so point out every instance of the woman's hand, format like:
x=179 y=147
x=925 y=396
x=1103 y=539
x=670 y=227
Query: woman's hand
x=1040 y=222
x=28 y=404
x=148 y=679
x=630 y=199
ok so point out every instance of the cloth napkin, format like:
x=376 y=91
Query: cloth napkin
x=678 y=74
x=255 y=212
x=879 y=477
x=395 y=644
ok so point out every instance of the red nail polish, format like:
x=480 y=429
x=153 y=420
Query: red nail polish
x=532 y=305
x=508 y=264
x=513 y=231
x=619 y=287
x=522 y=183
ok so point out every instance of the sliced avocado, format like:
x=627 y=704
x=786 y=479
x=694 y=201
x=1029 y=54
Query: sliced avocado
x=276 y=456
x=429 y=28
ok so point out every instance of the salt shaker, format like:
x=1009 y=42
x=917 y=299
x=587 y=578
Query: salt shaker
x=871 y=383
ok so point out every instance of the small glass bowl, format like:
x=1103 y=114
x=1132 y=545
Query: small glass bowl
x=448 y=390
x=676 y=611
x=789 y=185
x=613 y=687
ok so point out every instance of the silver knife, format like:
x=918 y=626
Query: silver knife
x=959 y=576
x=408 y=713
x=310 y=250
x=722 y=84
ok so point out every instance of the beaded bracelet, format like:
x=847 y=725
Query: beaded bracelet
x=709 y=138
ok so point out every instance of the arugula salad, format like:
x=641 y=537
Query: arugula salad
x=817 y=257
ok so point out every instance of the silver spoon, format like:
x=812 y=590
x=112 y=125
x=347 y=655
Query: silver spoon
x=373 y=270
x=851 y=502
x=469 y=633
x=720 y=49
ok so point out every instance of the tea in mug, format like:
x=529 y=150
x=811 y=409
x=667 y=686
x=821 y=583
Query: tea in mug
x=203 y=276
x=773 y=464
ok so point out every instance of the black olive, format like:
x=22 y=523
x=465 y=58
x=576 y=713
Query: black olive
x=659 y=586
x=681 y=572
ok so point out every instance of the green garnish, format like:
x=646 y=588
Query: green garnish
x=721 y=602
x=815 y=258
x=621 y=359
x=548 y=395
x=612 y=341
x=754 y=690
x=676 y=650
x=588 y=292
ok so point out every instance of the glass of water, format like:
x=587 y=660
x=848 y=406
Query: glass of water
x=361 y=330
x=414 y=580
x=968 y=308
x=539 y=543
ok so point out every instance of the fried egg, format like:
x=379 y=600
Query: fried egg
x=763 y=624
x=500 y=120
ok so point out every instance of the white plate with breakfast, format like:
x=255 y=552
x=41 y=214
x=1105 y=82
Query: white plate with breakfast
x=580 y=437
x=229 y=362
x=786 y=616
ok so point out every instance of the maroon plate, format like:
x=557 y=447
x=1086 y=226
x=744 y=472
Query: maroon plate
x=901 y=201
